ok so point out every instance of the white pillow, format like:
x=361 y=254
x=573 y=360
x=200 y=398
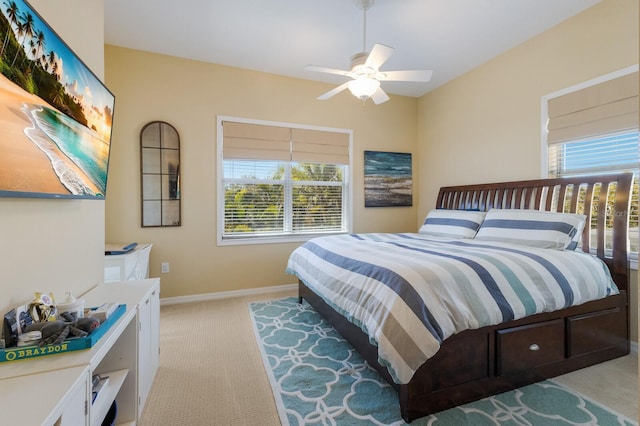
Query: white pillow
x=532 y=228
x=452 y=223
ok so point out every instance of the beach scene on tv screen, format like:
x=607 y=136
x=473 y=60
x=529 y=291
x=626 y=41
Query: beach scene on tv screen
x=55 y=114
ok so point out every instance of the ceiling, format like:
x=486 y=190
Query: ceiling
x=281 y=37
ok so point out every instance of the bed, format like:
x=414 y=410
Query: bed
x=520 y=332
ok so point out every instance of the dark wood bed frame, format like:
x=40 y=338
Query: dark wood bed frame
x=486 y=361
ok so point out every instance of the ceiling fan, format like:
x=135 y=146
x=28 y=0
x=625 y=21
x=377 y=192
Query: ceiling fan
x=365 y=71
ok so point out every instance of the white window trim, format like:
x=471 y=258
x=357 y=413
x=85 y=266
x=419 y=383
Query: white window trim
x=544 y=116
x=220 y=184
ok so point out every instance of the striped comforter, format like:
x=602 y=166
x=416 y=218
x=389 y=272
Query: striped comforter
x=409 y=292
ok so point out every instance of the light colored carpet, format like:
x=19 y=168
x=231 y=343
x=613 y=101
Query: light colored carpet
x=211 y=371
x=613 y=384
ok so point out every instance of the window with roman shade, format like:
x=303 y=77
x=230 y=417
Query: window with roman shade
x=593 y=128
x=281 y=181
x=597 y=110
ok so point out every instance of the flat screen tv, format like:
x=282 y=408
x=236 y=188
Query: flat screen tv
x=55 y=114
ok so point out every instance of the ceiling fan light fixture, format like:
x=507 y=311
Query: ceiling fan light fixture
x=363 y=88
x=365 y=69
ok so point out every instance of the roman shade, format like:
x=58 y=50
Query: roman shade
x=255 y=142
x=263 y=142
x=318 y=146
x=596 y=110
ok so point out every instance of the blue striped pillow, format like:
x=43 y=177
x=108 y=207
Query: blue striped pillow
x=452 y=223
x=533 y=228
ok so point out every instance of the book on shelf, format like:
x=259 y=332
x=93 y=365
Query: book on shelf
x=102 y=312
x=98 y=382
x=114 y=249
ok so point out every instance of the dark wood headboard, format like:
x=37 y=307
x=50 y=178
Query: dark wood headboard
x=606 y=214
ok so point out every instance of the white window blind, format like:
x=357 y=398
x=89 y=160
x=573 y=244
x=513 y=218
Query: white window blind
x=615 y=152
x=283 y=181
x=595 y=130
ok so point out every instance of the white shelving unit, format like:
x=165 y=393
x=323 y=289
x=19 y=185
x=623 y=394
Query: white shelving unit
x=107 y=395
x=61 y=384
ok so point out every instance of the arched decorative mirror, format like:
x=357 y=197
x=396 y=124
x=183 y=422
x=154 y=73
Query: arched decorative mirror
x=160 y=166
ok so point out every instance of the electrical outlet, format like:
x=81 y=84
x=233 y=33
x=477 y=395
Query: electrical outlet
x=165 y=267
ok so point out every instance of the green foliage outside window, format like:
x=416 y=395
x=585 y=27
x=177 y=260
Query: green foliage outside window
x=259 y=208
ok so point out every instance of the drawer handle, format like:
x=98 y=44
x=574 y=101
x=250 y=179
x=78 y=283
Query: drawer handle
x=534 y=347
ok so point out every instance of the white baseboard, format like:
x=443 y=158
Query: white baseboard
x=225 y=294
x=634 y=347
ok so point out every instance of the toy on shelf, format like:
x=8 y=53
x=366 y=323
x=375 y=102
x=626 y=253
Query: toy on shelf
x=55 y=332
x=43 y=327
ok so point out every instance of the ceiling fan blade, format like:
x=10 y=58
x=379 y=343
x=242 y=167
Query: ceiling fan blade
x=378 y=56
x=413 y=75
x=329 y=70
x=379 y=96
x=332 y=92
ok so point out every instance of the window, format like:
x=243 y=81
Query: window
x=617 y=152
x=279 y=182
x=593 y=128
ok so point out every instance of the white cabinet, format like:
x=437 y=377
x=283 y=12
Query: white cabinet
x=52 y=398
x=75 y=411
x=133 y=265
x=60 y=385
x=149 y=345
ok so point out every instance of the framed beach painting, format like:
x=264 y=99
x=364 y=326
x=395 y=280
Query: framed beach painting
x=55 y=114
x=387 y=179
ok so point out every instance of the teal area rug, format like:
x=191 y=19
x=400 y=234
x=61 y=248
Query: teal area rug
x=319 y=379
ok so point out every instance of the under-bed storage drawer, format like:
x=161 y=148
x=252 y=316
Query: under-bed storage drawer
x=528 y=346
x=597 y=331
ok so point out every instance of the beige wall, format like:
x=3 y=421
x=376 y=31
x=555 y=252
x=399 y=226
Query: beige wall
x=190 y=95
x=485 y=125
x=56 y=245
